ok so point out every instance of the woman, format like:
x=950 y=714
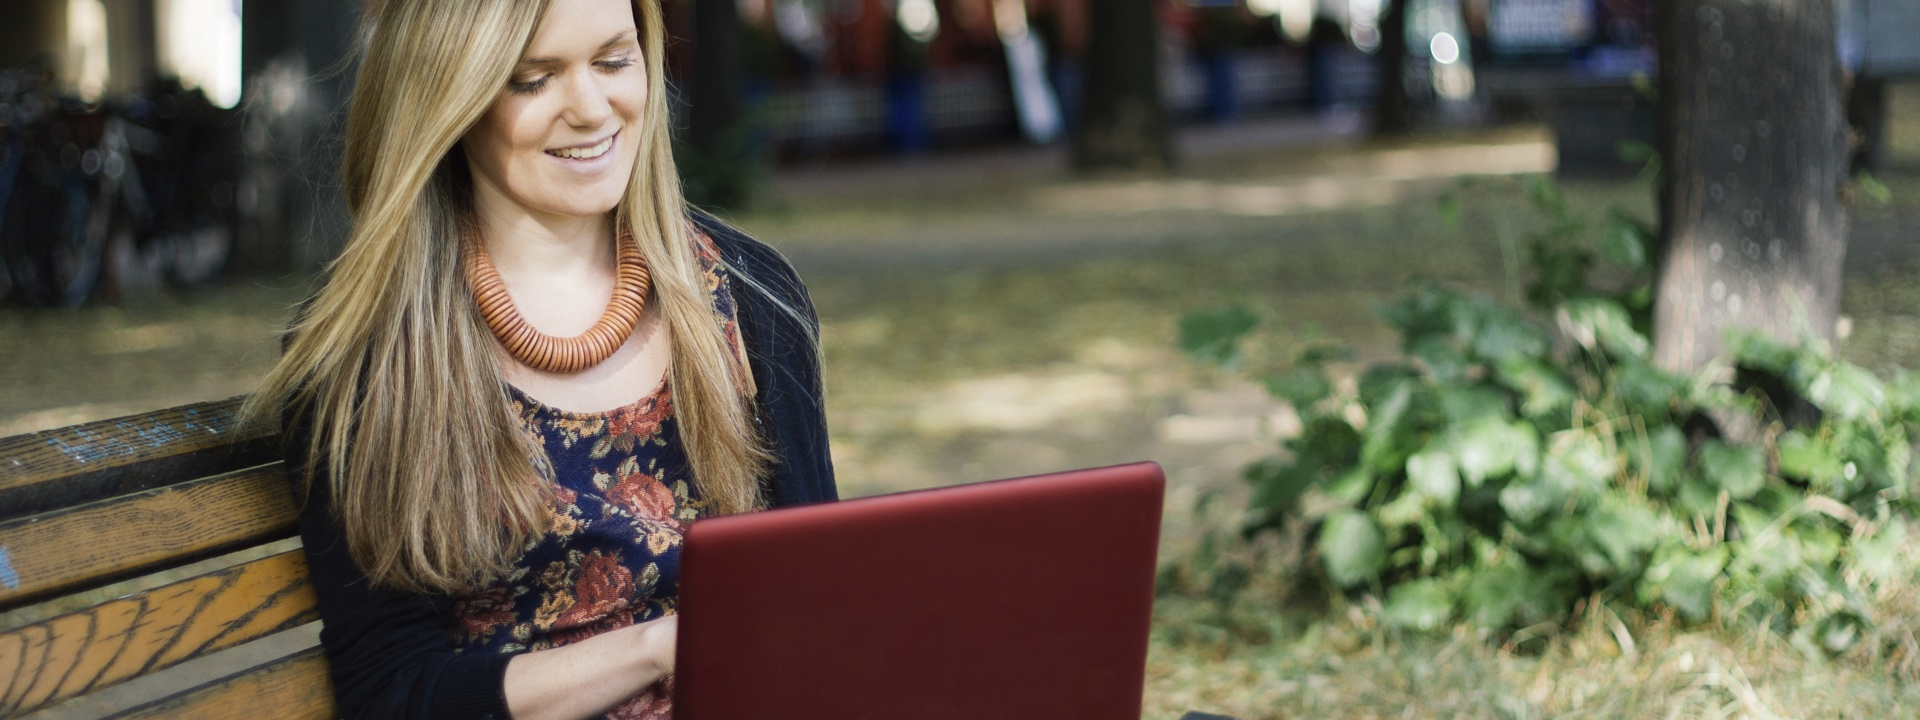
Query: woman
x=498 y=460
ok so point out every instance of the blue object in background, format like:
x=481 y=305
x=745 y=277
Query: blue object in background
x=907 y=112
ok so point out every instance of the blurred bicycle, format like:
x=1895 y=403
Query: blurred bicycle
x=97 y=199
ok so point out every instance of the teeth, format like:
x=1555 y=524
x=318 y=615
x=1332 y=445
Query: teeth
x=585 y=153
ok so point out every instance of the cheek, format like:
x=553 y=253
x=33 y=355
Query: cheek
x=629 y=95
x=493 y=143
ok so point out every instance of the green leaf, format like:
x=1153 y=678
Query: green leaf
x=1815 y=461
x=1465 y=403
x=1665 y=458
x=1526 y=502
x=1449 y=206
x=1302 y=386
x=1406 y=509
x=1505 y=337
x=1634 y=152
x=1351 y=547
x=1278 y=484
x=1623 y=530
x=1351 y=487
x=1880 y=555
x=1214 y=335
x=1645 y=389
x=1599 y=323
x=1324 y=352
x=1545 y=390
x=1622 y=243
x=1433 y=475
x=1381 y=381
x=1738 y=469
x=1545 y=194
x=1684 y=578
x=1848 y=391
x=1871 y=187
x=1903 y=396
x=1577 y=464
x=1388 y=439
x=1504 y=591
x=1441 y=357
x=1751 y=348
x=1488 y=447
x=1423 y=605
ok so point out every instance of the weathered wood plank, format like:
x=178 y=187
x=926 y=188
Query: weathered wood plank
x=74 y=654
x=53 y=469
x=102 y=541
x=295 y=687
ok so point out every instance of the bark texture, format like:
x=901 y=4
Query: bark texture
x=1753 y=129
x=716 y=166
x=1124 y=118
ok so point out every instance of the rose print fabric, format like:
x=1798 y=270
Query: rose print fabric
x=621 y=499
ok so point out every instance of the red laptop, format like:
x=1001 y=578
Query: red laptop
x=1026 y=598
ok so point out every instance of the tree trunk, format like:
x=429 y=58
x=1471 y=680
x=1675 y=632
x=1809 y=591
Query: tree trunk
x=1753 y=130
x=1392 y=111
x=1124 y=118
x=716 y=170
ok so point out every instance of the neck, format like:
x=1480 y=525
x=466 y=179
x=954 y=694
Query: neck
x=523 y=243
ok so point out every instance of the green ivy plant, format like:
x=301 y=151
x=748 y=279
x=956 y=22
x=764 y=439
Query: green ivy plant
x=1513 y=461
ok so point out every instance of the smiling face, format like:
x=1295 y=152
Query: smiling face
x=562 y=137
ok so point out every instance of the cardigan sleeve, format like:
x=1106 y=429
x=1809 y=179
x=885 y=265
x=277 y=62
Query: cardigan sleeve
x=389 y=652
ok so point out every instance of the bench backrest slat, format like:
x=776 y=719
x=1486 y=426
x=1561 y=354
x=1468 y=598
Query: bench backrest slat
x=74 y=654
x=60 y=468
x=132 y=545
x=99 y=542
x=293 y=688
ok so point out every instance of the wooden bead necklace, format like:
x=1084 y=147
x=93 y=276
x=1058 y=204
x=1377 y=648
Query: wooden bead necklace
x=544 y=352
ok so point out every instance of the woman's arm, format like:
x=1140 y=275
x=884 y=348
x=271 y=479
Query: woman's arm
x=390 y=655
x=592 y=676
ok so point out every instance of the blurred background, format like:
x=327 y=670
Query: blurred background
x=1003 y=209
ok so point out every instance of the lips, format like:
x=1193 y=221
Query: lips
x=585 y=152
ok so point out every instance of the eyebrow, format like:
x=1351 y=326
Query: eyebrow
x=615 y=40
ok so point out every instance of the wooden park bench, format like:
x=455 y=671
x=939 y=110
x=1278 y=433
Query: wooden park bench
x=135 y=549
x=134 y=545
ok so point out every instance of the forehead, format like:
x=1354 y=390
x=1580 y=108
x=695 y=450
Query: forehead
x=581 y=27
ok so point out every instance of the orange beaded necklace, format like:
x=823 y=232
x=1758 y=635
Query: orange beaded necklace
x=544 y=352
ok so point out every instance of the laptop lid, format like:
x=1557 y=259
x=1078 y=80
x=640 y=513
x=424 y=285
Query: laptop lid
x=1024 y=598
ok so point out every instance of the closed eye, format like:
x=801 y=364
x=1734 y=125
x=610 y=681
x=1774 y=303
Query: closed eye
x=528 y=87
x=616 y=64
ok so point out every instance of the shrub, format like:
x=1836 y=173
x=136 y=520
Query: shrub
x=1513 y=461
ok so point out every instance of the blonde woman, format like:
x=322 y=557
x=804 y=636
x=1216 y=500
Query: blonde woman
x=529 y=369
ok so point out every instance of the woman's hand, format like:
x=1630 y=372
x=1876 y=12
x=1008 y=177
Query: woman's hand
x=592 y=676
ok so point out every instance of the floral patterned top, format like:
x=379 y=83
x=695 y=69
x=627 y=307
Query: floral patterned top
x=622 y=497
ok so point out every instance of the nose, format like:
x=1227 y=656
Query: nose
x=587 y=105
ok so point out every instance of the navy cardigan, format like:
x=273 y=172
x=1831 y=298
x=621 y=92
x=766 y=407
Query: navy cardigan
x=390 y=653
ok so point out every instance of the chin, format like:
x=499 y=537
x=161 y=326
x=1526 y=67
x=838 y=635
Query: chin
x=596 y=199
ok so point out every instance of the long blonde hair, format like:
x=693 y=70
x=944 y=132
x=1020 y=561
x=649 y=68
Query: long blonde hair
x=430 y=474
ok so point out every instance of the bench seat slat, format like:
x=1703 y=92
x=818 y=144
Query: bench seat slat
x=68 y=466
x=78 y=653
x=98 y=542
x=295 y=687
